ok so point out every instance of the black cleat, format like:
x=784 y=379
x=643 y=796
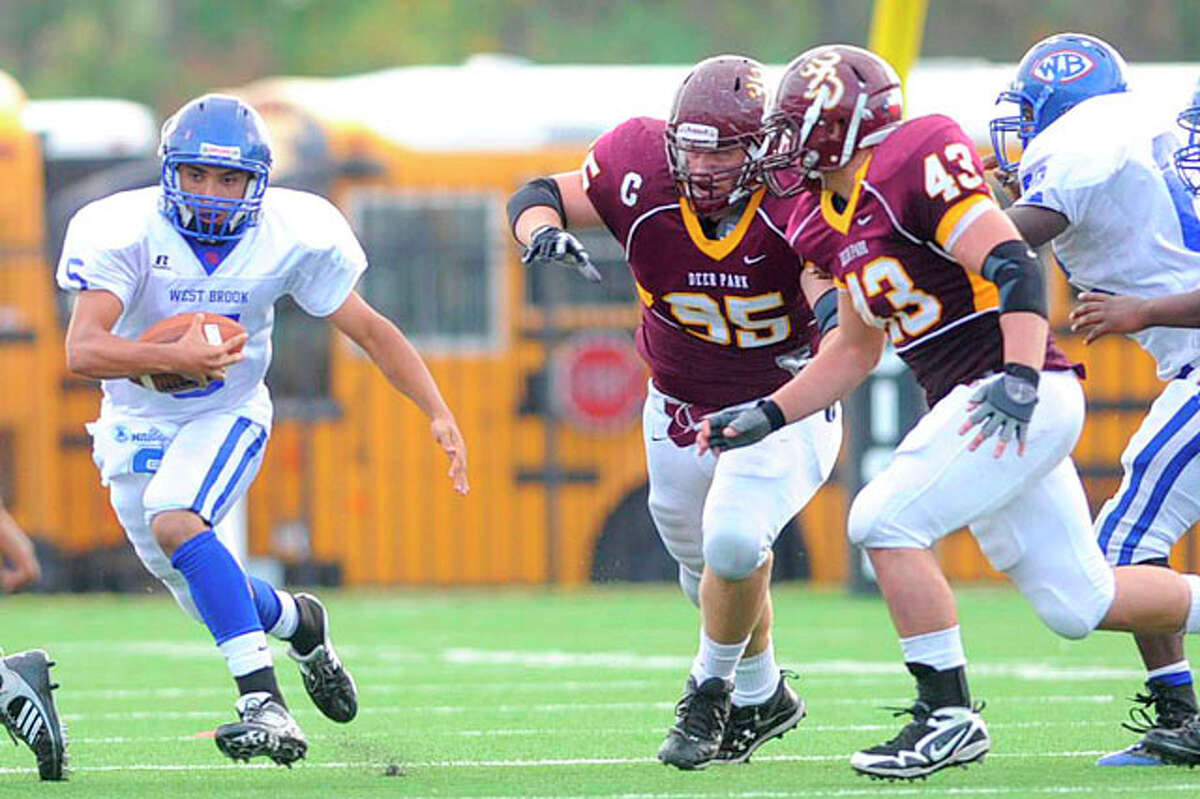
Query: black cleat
x=1176 y=747
x=1173 y=706
x=752 y=726
x=28 y=713
x=700 y=719
x=329 y=685
x=266 y=728
x=935 y=739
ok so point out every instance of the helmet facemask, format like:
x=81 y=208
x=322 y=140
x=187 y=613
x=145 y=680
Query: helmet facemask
x=1187 y=158
x=713 y=190
x=210 y=218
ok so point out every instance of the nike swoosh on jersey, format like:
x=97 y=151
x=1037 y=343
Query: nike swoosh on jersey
x=862 y=220
x=751 y=260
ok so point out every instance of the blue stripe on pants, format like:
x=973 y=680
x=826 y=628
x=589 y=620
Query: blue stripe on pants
x=223 y=454
x=1161 y=489
x=1141 y=463
x=247 y=459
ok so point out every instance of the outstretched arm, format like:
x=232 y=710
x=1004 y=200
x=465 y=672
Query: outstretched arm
x=17 y=547
x=847 y=356
x=1100 y=314
x=539 y=212
x=406 y=371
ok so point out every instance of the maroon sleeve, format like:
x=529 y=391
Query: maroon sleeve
x=932 y=177
x=625 y=174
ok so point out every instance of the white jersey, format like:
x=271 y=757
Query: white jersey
x=1107 y=165
x=302 y=246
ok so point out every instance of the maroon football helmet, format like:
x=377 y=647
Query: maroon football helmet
x=718 y=109
x=832 y=100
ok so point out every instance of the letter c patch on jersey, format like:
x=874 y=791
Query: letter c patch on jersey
x=629 y=188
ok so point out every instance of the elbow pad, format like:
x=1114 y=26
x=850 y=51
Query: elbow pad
x=539 y=191
x=825 y=311
x=1015 y=270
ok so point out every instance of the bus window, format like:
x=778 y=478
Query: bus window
x=608 y=257
x=435 y=265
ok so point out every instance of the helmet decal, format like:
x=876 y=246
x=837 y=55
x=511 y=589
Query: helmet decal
x=821 y=70
x=1062 y=66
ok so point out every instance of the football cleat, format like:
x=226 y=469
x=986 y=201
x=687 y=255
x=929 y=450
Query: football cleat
x=265 y=728
x=935 y=739
x=1177 y=747
x=28 y=713
x=700 y=719
x=752 y=726
x=329 y=685
x=1173 y=706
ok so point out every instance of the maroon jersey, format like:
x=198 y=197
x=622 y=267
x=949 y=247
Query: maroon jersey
x=888 y=249
x=715 y=313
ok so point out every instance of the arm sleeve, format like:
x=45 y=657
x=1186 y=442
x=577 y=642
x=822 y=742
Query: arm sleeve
x=324 y=276
x=86 y=263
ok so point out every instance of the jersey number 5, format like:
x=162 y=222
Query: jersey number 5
x=938 y=180
x=735 y=325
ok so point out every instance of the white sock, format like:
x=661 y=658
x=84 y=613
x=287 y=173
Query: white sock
x=246 y=653
x=1182 y=667
x=1193 y=618
x=940 y=650
x=756 y=678
x=289 y=616
x=716 y=660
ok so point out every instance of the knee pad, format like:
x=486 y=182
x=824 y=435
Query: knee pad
x=1070 y=617
x=733 y=548
x=689 y=581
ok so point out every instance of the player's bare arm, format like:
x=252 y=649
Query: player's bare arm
x=16 y=547
x=1037 y=225
x=992 y=246
x=404 y=368
x=93 y=351
x=845 y=359
x=1099 y=314
x=539 y=212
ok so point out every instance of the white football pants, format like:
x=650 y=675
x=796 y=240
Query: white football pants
x=727 y=511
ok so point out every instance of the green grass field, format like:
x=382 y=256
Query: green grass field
x=525 y=693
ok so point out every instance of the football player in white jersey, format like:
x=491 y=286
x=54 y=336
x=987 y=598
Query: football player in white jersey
x=1097 y=180
x=27 y=708
x=214 y=238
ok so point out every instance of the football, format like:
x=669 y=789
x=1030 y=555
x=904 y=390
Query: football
x=216 y=329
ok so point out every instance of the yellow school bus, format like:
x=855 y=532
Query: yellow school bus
x=353 y=489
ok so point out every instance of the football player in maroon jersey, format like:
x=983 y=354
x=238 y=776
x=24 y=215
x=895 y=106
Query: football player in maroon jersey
x=723 y=301
x=924 y=257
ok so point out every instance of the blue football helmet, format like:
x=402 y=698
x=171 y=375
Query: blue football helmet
x=1187 y=158
x=221 y=131
x=1056 y=74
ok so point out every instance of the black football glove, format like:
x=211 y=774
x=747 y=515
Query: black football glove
x=1005 y=404
x=550 y=243
x=752 y=425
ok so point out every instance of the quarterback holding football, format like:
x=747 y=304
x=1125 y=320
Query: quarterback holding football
x=179 y=444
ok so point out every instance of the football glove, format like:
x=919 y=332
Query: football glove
x=752 y=425
x=1005 y=405
x=550 y=243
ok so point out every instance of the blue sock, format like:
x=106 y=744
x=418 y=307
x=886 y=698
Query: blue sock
x=266 y=602
x=218 y=587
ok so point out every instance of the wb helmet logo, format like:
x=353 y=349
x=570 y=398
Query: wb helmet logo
x=1063 y=66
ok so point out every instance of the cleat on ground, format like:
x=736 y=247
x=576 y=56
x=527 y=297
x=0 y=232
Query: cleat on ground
x=1176 y=747
x=752 y=726
x=28 y=712
x=327 y=681
x=700 y=719
x=1172 y=709
x=265 y=729
x=935 y=739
